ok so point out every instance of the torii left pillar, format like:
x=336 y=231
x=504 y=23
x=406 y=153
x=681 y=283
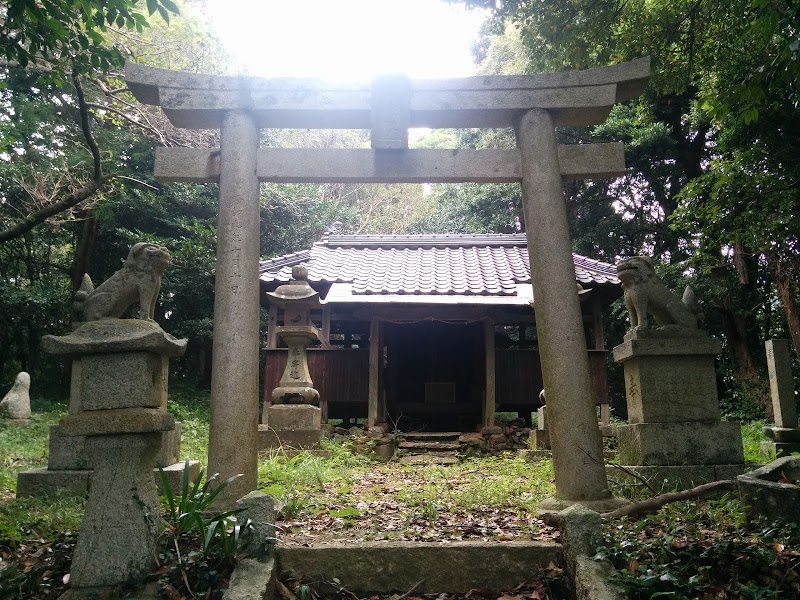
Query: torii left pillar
x=234 y=382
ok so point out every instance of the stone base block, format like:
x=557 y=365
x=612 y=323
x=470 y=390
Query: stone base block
x=117 y=422
x=783 y=435
x=40 y=482
x=680 y=443
x=778 y=449
x=456 y=567
x=269 y=438
x=539 y=439
x=532 y=456
x=763 y=494
x=294 y=417
x=120 y=380
x=67 y=452
x=667 y=478
x=670 y=379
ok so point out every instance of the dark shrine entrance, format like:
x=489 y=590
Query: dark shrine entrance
x=435 y=378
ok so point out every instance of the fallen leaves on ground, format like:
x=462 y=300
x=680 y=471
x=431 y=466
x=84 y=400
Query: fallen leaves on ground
x=399 y=504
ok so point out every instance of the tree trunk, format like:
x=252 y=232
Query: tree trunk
x=736 y=328
x=85 y=244
x=786 y=286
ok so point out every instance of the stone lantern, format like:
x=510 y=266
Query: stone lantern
x=294 y=418
x=296 y=298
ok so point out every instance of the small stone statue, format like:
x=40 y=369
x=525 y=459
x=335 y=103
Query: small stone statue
x=17 y=402
x=645 y=293
x=139 y=279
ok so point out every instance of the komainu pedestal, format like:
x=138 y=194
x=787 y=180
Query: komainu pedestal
x=674 y=428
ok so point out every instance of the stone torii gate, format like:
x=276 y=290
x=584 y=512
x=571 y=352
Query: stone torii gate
x=532 y=104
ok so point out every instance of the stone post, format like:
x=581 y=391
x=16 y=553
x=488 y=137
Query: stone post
x=786 y=433
x=233 y=430
x=574 y=435
x=779 y=365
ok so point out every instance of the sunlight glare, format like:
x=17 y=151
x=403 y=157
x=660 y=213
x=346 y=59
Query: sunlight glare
x=349 y=39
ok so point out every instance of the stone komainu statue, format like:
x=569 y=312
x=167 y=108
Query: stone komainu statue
x=644 y=293
x=139 y=280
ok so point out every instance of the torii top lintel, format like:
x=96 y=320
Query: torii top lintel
x=572 y=98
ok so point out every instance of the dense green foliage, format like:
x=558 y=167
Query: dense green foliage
x=711 y=152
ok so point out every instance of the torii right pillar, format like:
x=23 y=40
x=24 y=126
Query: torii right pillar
x=574 y=435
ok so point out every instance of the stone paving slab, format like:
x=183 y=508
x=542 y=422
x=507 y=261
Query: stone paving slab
x=436 y=567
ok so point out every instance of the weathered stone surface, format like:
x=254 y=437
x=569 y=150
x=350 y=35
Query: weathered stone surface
x=115 y=335
x=651 y=345
x=581 y=533
x=139 y=280
x=294 y=417
x=67 y=452
x=541 y=417
x=174 y=474
x=784 y=435
x=540 y=439
x=764 y=496
x=117 y=539
x=252 y=580
x=16 y=404
x=259 y=508
x=398 y=566
x=579 y=472
x=122 y=420
x=40 y=482
x=355 y=165
x=669 y=380
x=122 y=380
x=781 y=385
x=680 y=443
x=646 y=295
x=390 y=119
x=233 y=427
x=592 y=580
x=577 y=98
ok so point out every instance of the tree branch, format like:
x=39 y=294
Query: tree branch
x=652 y=505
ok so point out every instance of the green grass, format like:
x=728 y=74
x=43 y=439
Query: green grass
x=39 y=518
x=23 y=448
x=191 y=407
x=752 y=440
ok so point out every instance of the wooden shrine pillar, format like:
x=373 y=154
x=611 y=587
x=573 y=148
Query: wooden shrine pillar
x=490 y=397
x=375 y=413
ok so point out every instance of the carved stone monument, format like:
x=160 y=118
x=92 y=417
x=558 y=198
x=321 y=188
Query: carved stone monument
x=118 y=403
x=294 y=418
x=674 y=429
x=785 y=435
x=16 y=404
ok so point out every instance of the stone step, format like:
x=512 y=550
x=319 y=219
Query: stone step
x=431 y=445
x=456 y=567
x=430 y=458
x=430 y=436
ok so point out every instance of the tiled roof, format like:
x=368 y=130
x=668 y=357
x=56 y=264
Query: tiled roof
x=452 y=264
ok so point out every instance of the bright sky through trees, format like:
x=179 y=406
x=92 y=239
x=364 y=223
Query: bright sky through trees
x=347 y=39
